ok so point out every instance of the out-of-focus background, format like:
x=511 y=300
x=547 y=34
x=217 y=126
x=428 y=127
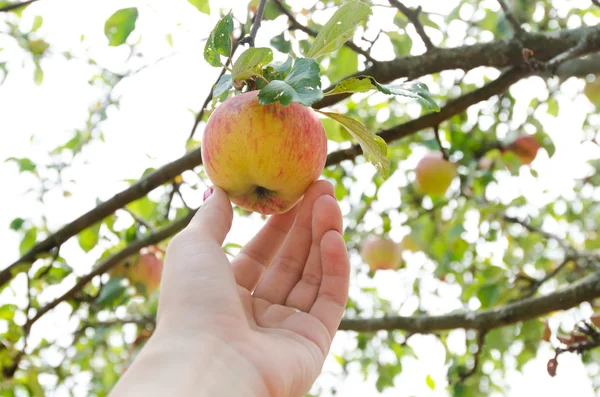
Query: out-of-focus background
x=86 y=111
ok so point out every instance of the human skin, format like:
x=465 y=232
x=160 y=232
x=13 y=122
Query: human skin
x=260 y=325
x=263 y=156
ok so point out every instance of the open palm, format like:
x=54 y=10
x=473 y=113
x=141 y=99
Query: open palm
x=278 y=304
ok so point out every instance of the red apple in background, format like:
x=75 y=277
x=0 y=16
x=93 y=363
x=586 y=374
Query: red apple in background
x=144 y=268
x=435 y=174
x=525 y=148
x=263 y=156
x=381 y=253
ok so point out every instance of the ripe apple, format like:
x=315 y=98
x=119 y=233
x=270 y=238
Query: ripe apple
x=381 y=253
x=409 y=243
x=145 y=269
x=263 y=156
x=435 y=174
x=525 y=148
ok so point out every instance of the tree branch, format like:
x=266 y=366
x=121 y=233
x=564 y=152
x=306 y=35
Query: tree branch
x=12 y=7
x=583 y=290
x=498 y=54
x=295 y=25
x=480 y=341
x=413 y=17
x=255 y=25
x=431 y=119
x=510 y=16
x=194 y=158
x=115 y=259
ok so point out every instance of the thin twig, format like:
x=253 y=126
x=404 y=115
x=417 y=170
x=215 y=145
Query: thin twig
x=209 y=97
x=477 y=354
x=413 y=17
x=436 y=130
x=255 y=25
x=139 y=219
x=12 y=7
x=518 y=30
x=562 y=242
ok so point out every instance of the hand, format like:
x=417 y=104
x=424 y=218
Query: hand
x=261 y=325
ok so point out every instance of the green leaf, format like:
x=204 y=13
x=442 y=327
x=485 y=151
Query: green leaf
x=88 y=238
x=119 y=26
x=111 y=291
x=430 y=382
x=414 y=90
x=24 y=164
x=339 y=28
x=373 y=146
x=552 y=106
x=281 y=44
x=38 y=74
x=223 y=85
x=28 y=240
x=302 y=85
x=402 y=43
x=335 y=132
x=7 y=312
x=16 y=224
x=345 y=62
x=37 y=23
x=250 y=63
x=219 y=41
x=201 y=5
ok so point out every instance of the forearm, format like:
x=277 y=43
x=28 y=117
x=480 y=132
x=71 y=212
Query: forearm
x=166 y=367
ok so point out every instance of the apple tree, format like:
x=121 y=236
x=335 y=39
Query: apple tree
x=463 y=145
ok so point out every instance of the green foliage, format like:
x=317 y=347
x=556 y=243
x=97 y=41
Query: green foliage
x=465 y=256
x=201 y=5
x=119 y=26
x=418 y=91
x=302 y=85
x=219 y=41
x=373 y=146
x=339 y=28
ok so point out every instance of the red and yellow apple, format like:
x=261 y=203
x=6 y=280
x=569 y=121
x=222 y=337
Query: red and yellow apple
x=435 y=174
x=144 y=269
x=525 y=148
x=381 y=253
x=264 y=156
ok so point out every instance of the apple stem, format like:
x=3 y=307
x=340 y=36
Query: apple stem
x=255 y=25
x=436 y=129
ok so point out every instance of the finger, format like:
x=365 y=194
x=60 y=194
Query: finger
x=258 y=253
x=333 y=293
x=197 y=272
x=268 y=315
x=326 y=216
x=287 y=269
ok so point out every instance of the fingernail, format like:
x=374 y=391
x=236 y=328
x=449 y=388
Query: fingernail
x=208 y=192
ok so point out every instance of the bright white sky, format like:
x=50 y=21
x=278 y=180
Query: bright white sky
x=150 y=130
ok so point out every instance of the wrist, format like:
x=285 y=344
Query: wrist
x=202 y=365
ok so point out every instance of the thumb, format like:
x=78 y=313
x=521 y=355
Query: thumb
x=213 y=219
